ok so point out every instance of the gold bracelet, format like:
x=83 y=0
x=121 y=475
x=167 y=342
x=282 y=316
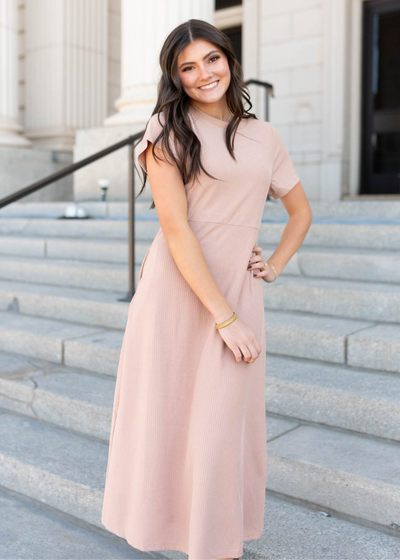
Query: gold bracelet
x=227 y=322
x=273 y=268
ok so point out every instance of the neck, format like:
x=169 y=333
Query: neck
x=215 y=110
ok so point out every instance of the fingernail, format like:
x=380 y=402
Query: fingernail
x=254 y=274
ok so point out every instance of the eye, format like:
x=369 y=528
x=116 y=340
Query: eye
x=212 y=58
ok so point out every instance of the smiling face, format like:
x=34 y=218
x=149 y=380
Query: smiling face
x=202 y=63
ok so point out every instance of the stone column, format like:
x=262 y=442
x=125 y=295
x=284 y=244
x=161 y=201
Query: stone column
x=10 y=129
x=66 y=68
x=335 y=100
x=145 y=26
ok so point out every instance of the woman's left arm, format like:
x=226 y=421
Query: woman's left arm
x=300 y=219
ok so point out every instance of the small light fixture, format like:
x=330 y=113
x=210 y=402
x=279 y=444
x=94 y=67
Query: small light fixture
x=104 y=184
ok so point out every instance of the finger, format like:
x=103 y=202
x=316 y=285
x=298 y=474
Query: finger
x=254 y=261
x=246 y=353
x=257 y=346
x=259 y=273
x=254 y=352
x=257 y=250
x=237 y=353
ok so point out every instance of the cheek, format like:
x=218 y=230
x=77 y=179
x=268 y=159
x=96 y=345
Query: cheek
x=187 y=79
x=223 y=68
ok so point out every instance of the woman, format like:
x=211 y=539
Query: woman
x=187 y=458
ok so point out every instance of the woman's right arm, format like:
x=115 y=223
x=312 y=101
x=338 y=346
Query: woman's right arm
x=169 y=196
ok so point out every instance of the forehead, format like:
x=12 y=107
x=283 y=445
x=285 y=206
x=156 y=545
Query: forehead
x=196 y=50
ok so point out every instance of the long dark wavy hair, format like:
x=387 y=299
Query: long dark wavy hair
x=173 y=101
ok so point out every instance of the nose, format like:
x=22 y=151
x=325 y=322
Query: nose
x=205 y=74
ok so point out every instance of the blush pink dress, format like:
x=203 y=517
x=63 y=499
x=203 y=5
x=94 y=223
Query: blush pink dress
x=187 y=455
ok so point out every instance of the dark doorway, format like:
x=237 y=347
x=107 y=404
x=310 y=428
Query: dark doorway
x=380 y=144
x=222 y=4
x=235 y=36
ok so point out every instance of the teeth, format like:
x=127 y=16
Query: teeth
x=209 y=86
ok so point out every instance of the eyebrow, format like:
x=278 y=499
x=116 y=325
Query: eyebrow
x=204 y=57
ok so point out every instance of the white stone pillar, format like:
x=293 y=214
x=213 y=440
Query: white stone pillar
x=10 y=129
x=66 y=68
x=335 y=100
x=145 y=26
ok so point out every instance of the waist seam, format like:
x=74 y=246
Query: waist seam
x=222 y=224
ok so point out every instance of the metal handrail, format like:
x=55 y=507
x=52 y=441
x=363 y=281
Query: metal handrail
x=67 y=170
x=269 y=90
x=131 y=184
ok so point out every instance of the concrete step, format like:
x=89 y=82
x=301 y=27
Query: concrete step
x=300 y=335
x=303 y=335
x=111 y=210
x=359 y=209
x=376 y=236
x=364 y=265
x=61 y=342
x=72 y=273
x=70 y=247
x=29 y=527
x=59 y=468
x=334 y=340
x=369 y=301
x=357 y=236
x=100 y=228
x=375 y=348
x=345 y=266
x=353 y=300
x=338 y=396
x=355 y=399
x=356 y=475
x=77 y=305
x=69 y=398
x=312 y=464
x=91 y=266
x=98 y=250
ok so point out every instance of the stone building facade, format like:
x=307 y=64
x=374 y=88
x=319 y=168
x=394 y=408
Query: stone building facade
x=78 y=75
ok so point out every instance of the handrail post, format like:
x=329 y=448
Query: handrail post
x=131 y=226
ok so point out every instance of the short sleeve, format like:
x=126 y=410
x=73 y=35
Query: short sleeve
x=284 y=176
x=153 y=130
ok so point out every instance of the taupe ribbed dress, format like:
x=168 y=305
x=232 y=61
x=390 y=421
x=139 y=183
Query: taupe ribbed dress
x=187 y=457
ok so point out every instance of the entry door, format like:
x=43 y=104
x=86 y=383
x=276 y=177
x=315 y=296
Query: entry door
x=380 y=160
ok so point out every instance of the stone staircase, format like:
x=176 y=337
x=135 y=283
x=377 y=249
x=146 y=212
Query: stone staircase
x=332 y=378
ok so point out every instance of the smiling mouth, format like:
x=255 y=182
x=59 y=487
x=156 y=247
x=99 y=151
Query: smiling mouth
x=213 y=85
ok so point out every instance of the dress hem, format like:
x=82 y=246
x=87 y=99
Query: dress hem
x=179 y=548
